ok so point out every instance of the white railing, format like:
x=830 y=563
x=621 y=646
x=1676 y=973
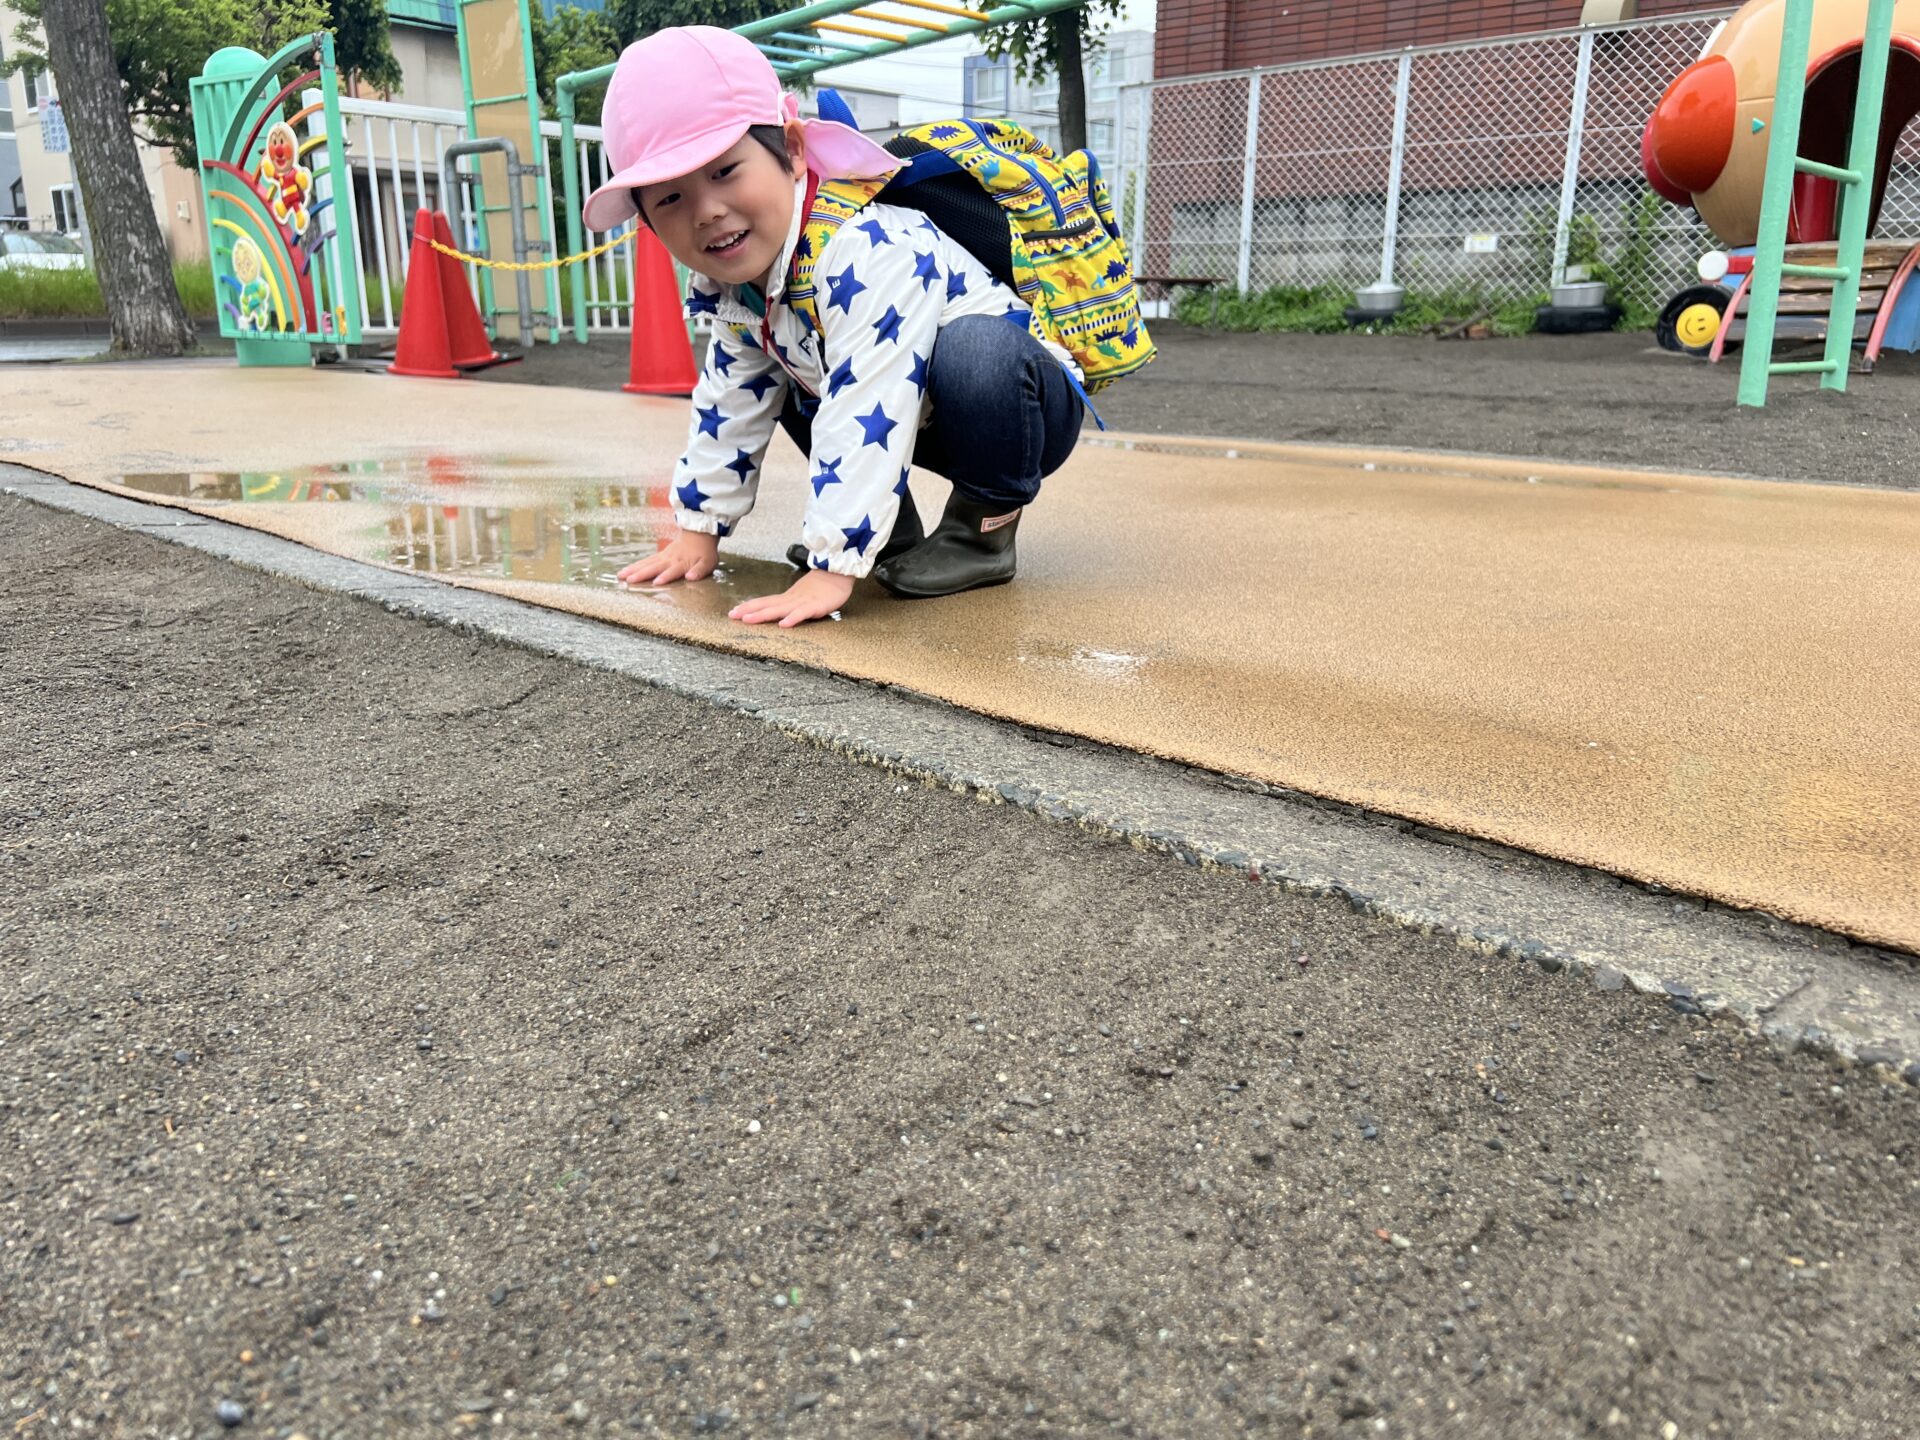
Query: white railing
x=609 y=276
x=394 y=153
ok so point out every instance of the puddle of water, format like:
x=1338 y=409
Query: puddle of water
x=481 y=519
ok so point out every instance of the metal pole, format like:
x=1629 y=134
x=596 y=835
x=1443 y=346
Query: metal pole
x=1570 y=173
x=1249 y=163
x=326 y=287
x=1856 y=199
x=1138 y=256
x=1384 y=297
x=516 y=220
x=570 y=161
x=1776 y=195
x=1396 y=164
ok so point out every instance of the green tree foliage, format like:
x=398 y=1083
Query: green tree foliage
x=633 y=19
x=160 y=45
x=362 y=46
x=573 y=39
x=1057 y=44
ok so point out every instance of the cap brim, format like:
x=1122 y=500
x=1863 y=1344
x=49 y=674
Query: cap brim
x=612 y=203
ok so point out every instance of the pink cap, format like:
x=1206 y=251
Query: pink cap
x=683 y=97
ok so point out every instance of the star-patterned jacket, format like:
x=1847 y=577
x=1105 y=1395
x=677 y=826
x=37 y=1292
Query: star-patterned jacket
x=889 y=281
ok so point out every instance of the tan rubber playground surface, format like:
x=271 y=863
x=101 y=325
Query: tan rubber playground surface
x=1709 y=683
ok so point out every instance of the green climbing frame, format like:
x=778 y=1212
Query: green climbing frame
x=800 y=44
x=1757 y=364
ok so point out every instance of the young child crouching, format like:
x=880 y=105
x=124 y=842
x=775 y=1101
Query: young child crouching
x=920 y=356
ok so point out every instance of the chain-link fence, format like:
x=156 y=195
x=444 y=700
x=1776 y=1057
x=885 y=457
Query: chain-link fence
x=1482 y=169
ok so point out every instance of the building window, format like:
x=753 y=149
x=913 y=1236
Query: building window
x=6 y=105
x=1100 y=136
x=66 y=208
x=37 y=87
x=990 y=85
x=1104 y=82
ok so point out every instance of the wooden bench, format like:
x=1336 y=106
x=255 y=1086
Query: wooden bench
x=1169 y=283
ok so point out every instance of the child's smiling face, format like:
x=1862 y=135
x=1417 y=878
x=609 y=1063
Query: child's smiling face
x=729 y=219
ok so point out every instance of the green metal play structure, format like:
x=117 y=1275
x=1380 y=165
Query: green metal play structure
x=272 y=167
x=802 y=43
x=1856 y=179
x=496 y=74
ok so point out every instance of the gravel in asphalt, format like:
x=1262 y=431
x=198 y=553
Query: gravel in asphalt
x=400 y=1030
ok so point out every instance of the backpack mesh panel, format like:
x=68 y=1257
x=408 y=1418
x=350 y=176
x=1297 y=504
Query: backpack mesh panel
x=956 y=203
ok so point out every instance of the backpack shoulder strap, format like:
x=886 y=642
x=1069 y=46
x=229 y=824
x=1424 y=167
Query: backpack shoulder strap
x=830 y=204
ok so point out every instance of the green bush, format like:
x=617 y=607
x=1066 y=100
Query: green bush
x=1321 y=310
x=75 y=294
x=33 y=294
x=195 y=284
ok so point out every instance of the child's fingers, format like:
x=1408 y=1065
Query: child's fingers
x=643 y=569
x=760 y=609
x=802 y=613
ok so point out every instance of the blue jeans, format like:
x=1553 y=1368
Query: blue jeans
x=1005 y=414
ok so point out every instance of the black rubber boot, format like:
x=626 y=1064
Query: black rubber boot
x=907 y=533
x=972 y=546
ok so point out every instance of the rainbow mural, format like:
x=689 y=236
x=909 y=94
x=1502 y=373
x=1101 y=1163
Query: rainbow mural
x=277 y=191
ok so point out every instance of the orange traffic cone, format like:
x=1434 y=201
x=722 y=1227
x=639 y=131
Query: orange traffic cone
x=423 y=349
x=661 y=362
x=466 y=335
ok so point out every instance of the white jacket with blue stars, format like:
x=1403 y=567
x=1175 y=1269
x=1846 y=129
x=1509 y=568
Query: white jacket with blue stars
x=888 y=282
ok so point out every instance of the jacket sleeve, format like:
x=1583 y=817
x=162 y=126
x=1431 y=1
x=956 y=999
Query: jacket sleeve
x=881 y=299
x=736 y=408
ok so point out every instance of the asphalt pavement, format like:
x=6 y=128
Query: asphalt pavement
x=407 y=1034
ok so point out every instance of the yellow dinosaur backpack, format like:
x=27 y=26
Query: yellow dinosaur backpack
x=1043 y=225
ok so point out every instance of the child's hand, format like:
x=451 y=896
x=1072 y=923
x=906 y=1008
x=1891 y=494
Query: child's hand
x=688 y=556
x=815 y=595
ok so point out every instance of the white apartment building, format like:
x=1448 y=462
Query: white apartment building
x=992 y=90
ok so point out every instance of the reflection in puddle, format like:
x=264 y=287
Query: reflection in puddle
x=486 y=519
x=1114 y=666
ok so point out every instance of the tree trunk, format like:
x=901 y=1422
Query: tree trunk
x=136 y=276
x=1073 y=79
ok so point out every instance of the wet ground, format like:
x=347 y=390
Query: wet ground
x=1697 y=683
x=1613 y=399
x=404 y=1031
x=1533 y=654
x=34 y=350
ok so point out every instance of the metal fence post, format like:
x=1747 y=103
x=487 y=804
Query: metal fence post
x=1385 y=294
x=1570 y=175
x=1138 y=256
x=1249 y=163
x=1396 y=166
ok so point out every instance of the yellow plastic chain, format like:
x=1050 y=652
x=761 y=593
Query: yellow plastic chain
x=486 y=264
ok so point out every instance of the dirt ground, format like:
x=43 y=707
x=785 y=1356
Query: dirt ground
x=1613 y=399
x=407 y=1035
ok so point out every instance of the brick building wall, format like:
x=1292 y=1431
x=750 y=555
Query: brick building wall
x=1198 y=37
